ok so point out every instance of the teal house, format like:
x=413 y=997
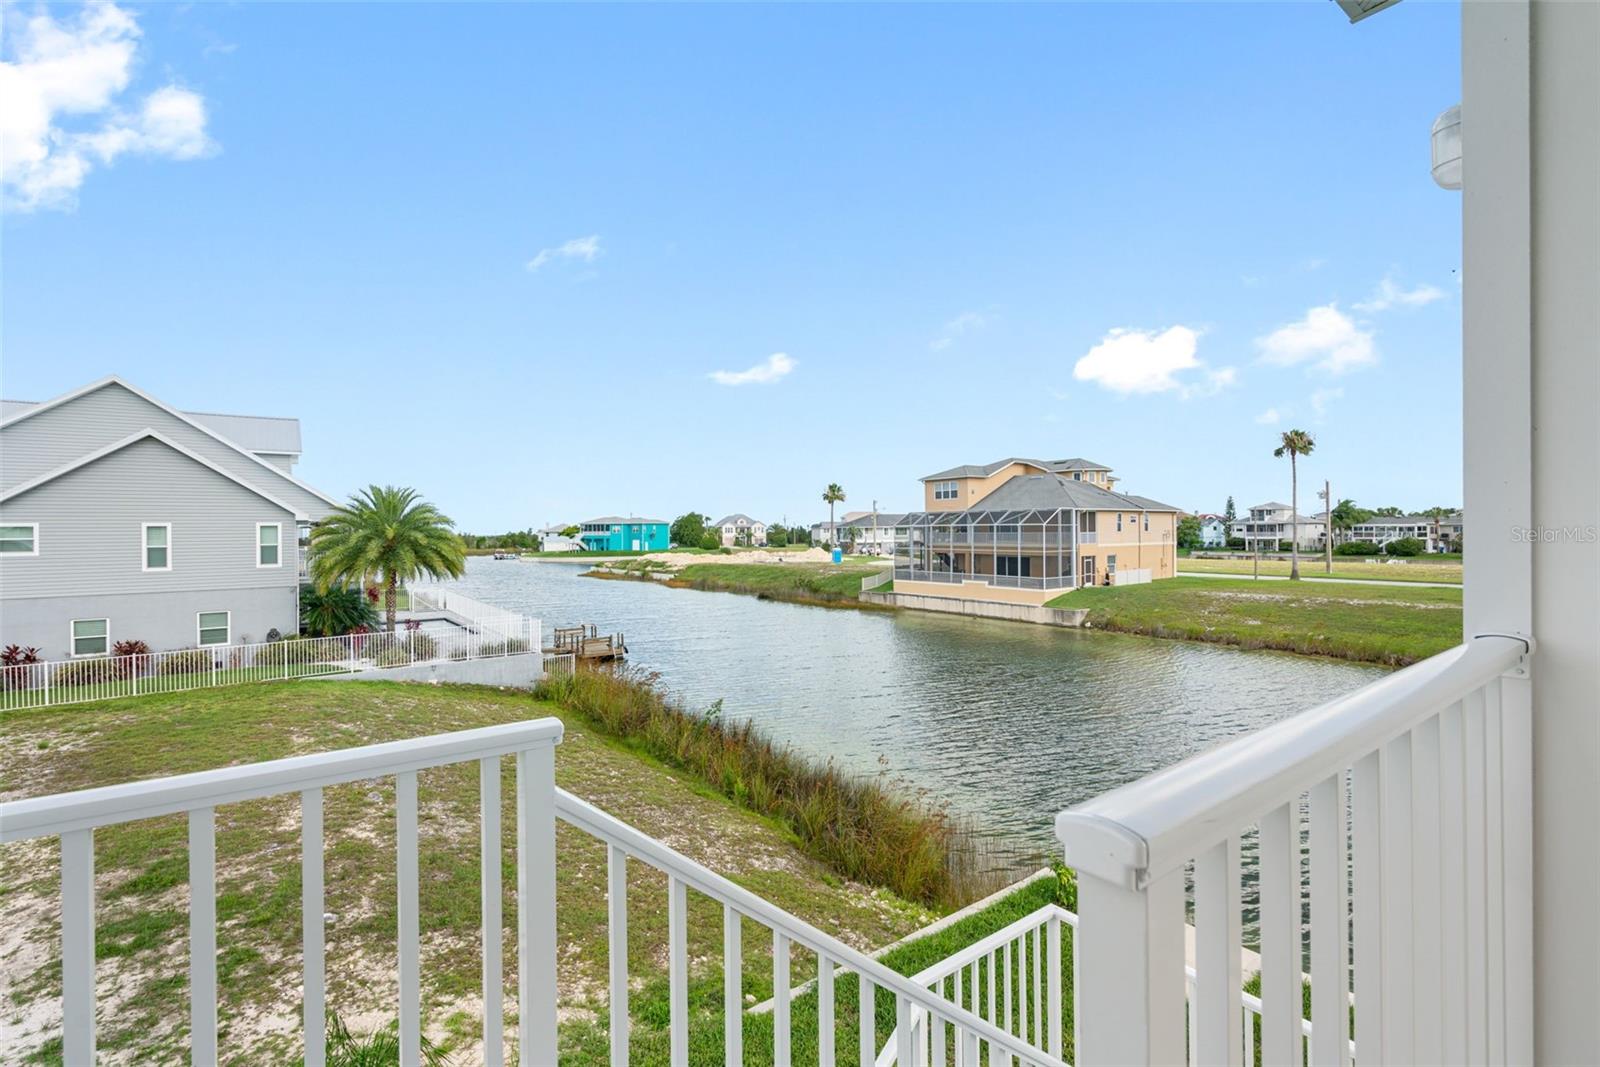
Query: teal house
x=614 y=533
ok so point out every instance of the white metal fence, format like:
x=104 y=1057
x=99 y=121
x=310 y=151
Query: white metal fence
x=1416 y=857
x=33 y=685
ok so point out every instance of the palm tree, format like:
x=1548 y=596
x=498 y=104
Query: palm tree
x=1296 y=443
x=830 y=496
x=386 y=531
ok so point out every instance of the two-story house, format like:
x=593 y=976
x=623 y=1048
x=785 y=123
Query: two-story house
x=1273 y=524
x=1025 y=530
x=870 y=533
x=1213 y=531
x=123 y=518
x=624 y=533
x=1381 y=529
x=741 y=529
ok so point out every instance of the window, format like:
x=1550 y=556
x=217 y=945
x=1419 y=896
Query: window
x=1077 y=476
x=212 y=627
x=267 y=554
x=20 y=540
x=1147 y=522
x=1119 y=522
x=90 y=637
x=1086 y=521
x=1111 y=563
x=946 y=490
x=1014 y=566
x=158 y=546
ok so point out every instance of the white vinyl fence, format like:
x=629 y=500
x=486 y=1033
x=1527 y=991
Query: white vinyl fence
x=37 y=685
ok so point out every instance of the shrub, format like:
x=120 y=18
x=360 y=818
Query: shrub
x=1235 y=542
x=856 y=825
x=96 y=671
x=273 y=635
x=185 y=661
x=710 y=541
x=14 y=663
x=1404 y=546
x=381 y=1048
x=1356 y=548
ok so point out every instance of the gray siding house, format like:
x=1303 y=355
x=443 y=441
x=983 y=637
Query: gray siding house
x=122 y=518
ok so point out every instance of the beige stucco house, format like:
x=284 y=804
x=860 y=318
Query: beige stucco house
x=1024 y=531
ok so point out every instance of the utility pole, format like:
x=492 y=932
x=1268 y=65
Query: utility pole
x=1327 y=527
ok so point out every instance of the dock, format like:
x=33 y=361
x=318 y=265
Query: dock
x=585 y=642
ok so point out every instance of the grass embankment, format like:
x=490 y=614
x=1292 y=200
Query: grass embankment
x=1373 y=568
x=825 y=584
x=1370 y=624
x=142 y=873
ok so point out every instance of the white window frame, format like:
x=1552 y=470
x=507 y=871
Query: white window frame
x=198 y=630
x=259 y=527
x=24 y=555
x=144 y=547
x=948 y=490
x=72 y=638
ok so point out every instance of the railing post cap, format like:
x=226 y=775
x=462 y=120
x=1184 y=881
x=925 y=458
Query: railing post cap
x=1105 y=849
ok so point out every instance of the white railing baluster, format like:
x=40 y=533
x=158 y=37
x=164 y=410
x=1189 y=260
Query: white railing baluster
x=1330 y=922
x=1008 y=1001
x=489 y=860
x=1367 y=861
x=903 y=1036
x=1398 y=899
x=536 y=906
x=1477 y=875
x=955 y=985
x=1281 y=1009
x=780 y=1000
x=1427 y=948
x=410 y=974
x=617 y=948
x=1214 y=1013
x=1452 y=888
x=1516 y=791
x=993 y=1014
x=678 y=972
x=1057 y=989
x=1494 y=964
x=312 y=930
x=1038 y=988
x=77 y=947
x=824 y=1009
x=936 y=1040
x=1023 y=987
x=867 y=1023
x=732 y=987
x=203 y=937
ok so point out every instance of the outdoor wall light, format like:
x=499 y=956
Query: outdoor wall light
x=1447 y=148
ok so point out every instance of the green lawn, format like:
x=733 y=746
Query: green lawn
x=1377 y=568
x=1373 y=624
x=802 y=582
x=142 y=869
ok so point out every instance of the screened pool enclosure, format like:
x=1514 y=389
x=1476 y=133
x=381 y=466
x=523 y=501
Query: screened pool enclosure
x=1018 y=549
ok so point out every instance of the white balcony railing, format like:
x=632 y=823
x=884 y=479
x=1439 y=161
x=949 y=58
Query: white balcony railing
x=1419 y=794
x=74 y=818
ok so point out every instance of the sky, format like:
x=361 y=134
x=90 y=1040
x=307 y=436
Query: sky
x=544 y=263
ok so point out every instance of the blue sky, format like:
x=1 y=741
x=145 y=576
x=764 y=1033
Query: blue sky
x=501 y=253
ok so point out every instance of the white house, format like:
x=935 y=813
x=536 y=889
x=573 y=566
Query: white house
x=1381 y=529
x=1213 y=531
x=1271 y=523
x=551 y=539
x=740 y=529
x=870 y=533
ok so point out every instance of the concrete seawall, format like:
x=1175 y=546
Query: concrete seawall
x=981 y=609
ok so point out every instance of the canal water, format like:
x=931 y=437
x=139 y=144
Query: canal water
x=1006 y=723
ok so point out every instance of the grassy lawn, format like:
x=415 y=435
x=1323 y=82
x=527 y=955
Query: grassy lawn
x=142 y=870
x=1367 y=623
x=1414 y=569
x=803 y=582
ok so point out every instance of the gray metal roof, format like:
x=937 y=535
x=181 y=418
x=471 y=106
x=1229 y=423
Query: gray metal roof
x=736 y=518
x=253 y=433
x=984 y=470
x=1271 y=505
x=621 y=519
x=1045 y=493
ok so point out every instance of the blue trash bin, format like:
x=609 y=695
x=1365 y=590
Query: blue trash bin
x=838 y=555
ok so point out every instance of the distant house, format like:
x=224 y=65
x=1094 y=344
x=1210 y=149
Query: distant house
x=1213 y=531
x=1272 y=524
x=1382 y=529
x=124 y=518
x=1023 y=531
x=551 y=539
x=1451 y=531
x=617 y=533
x=741 y=529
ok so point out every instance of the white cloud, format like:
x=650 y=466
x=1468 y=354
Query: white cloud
x=586 y=249
x=1269 y=417
x=1144 y=361
x=1326 y=336
x=60 y=112
x=777 y=366
x=1321 y=398
x=1390 y=295
x=963 y=323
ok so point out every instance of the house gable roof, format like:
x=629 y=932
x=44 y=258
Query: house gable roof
x=986 y=470
x=1033 y=492
x=736 y=518
x=131 y=439
x=112 y=379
